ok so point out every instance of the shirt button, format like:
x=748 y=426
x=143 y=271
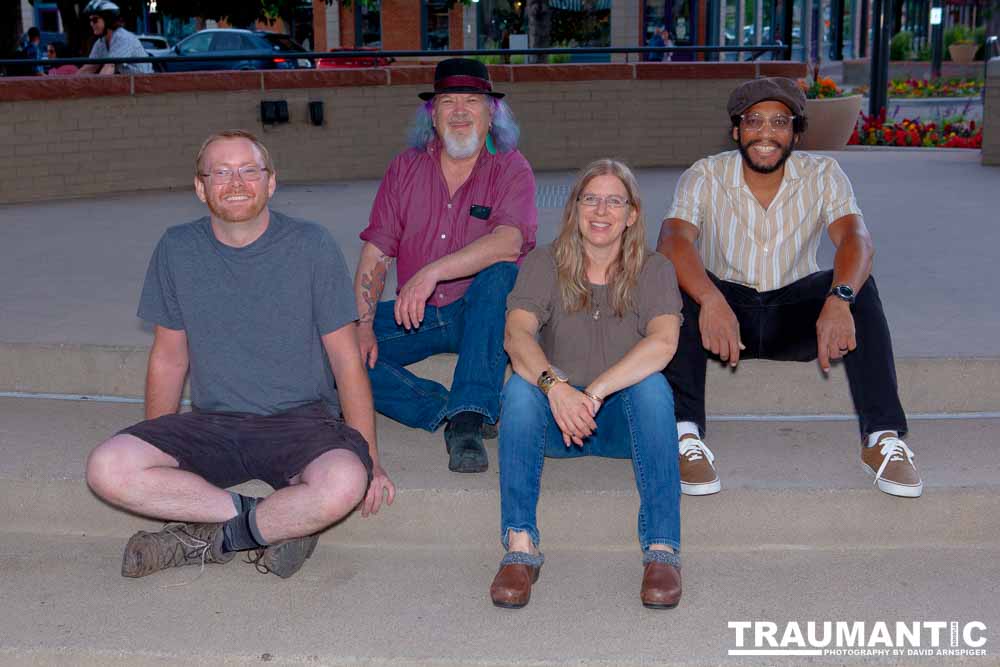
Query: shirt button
x=440 y=295
x=444 y=236
x=449 y=205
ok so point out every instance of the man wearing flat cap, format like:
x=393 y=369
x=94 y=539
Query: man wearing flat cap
x=457 y=213
x=742 y=233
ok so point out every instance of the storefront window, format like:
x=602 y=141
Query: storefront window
x=675 y=18
x=436 y=25
x=368 y=25
x=574 y=23
x=498 y=20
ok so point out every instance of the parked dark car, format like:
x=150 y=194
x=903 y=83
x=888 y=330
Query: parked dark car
x=153 y=43
x=253 y=47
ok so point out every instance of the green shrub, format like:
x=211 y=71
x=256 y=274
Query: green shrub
x=559 y=58
x=901 y=46
x=954 y=35
x=979 y=37
x=488 y=60
x=924 y=53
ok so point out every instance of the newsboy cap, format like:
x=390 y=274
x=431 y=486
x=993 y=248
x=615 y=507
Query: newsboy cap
x=777 y=88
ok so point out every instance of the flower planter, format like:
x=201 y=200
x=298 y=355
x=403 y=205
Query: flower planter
x=831 y=122
x=963 y=54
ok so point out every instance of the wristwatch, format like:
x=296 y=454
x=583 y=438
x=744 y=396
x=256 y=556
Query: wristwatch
x=549 y=378
x=843 y=292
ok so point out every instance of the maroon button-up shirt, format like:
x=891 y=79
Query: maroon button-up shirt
x=414 y=220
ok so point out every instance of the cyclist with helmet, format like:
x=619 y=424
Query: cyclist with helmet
x=113 y=41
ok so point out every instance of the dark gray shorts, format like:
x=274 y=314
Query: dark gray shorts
x=229 y=448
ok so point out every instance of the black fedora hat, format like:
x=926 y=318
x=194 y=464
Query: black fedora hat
x=461 y=75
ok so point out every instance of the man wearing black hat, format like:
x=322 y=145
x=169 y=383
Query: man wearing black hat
x=755 y=290
x=457 y=213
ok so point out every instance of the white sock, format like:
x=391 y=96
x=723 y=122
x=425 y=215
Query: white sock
x=873 y=437
x=687 y=428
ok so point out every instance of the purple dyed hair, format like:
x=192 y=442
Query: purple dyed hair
x=504 y=128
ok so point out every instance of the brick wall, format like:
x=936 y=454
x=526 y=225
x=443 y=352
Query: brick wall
x=347 y=26
x=401 y=28
x=991 y=115
x=86 y=136
x=455 y=28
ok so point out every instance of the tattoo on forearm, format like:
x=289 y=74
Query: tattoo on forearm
x=372 y=284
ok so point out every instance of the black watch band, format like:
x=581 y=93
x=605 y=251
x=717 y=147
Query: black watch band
x=843 y=292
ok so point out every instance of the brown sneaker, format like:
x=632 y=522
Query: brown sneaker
x=890 y=462
x=176 y=545
x=511 y=587
x=698 y=476
x=283 y=558
x=661 y=580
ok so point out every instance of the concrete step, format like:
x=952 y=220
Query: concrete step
x=784 y=483
x=66 y=604
x=926 y=384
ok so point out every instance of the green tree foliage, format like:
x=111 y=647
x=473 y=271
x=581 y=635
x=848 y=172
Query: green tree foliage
x=901 y=46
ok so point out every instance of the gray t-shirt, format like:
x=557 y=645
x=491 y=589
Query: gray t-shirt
x=123 y=45
x=254 y=315
x=581 y=344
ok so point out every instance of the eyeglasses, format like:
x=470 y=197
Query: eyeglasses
x=755 y=122
x=612 y=201
x=248 y=173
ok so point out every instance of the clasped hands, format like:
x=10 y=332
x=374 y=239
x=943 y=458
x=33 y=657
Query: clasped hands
x=574 y=412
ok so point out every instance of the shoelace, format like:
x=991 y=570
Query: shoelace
x=200 y=550
x=892 y=449
x=255 y=558
x=694 y=449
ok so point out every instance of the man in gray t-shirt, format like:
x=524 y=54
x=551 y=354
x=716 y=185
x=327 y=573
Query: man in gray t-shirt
x=257 y=308
x=113 y=41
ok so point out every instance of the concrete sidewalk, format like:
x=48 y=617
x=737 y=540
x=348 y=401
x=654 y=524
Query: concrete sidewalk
x=797 y=534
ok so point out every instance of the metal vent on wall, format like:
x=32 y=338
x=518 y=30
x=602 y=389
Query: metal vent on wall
x=551 y=196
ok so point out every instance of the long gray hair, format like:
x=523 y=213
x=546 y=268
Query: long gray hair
x=503 y=127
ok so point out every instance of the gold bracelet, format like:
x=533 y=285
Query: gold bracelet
x=593 y=396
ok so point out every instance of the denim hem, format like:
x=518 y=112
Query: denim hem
x=448 y=413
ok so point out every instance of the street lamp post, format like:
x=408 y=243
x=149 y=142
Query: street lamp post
x=937 y=40
x=879 y=83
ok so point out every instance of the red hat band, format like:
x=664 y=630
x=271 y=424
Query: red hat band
x=458 y=81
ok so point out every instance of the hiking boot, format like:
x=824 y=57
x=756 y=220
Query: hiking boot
x=698 y=476
x=176 y=545
x=284 y=558
x=890 y=462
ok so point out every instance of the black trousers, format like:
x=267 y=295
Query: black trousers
x=781 y=325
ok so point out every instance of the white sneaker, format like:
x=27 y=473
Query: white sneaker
x=698 y=475
x=890 y=462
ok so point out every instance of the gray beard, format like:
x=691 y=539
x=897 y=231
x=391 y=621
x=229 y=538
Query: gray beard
x=459 y=149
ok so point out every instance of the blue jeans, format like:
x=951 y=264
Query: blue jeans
x=473 y=327
x=635 y=423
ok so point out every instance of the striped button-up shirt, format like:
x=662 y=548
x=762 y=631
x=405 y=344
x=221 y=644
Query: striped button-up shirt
x=742 y=242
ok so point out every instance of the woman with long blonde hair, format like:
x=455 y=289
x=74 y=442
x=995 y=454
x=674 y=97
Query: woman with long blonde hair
x=593 y=319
